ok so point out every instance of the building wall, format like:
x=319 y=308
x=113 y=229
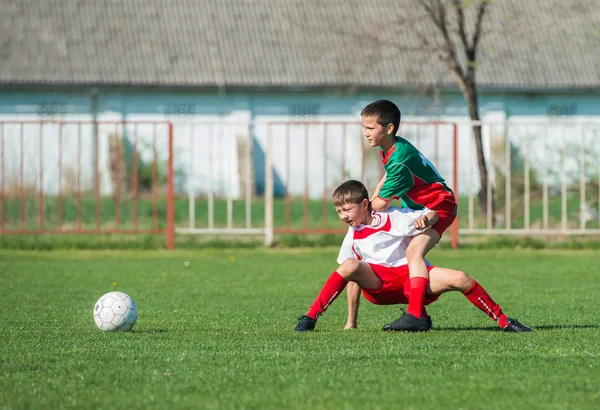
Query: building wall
x=288 y=103
x=208 y=125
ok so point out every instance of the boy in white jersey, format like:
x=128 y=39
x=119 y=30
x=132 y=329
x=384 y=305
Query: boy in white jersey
x=373 y=255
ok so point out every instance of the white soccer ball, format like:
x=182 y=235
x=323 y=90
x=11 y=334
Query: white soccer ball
x=115 y=312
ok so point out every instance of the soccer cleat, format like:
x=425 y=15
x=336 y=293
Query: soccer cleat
x=305 y=324
x=514 y=326
x=429 y=323
x=408 y=323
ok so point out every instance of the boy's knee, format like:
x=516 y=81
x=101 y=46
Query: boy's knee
x=414 y=255
x=348 y=267
x=462 y=281
x=352 y=285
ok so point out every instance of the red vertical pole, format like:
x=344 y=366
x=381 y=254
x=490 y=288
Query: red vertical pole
x=325 y=194
x=2 y=214
x=211 y=198
x=154 y=177
x=60 y=127
x=170 y=195
x=98 y=201
x=455 y=183
x=41 y=211
x=79 y=176
x=343 y=159
x=117 y=175
x=362 y=157
x=305 y=176
x=135 y=178
x=22 y=190
x=435 y=145
x=287 y=175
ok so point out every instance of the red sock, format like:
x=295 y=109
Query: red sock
x=416 y=302
x=480 y=298
x=330 y=291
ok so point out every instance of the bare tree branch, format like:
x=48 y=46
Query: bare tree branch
x=464 y=76
x=431 y=9
x=441 y=9
x=437 y=13
x=461 y=24
x=434 y=27
x=477 y=33
x=365 y=37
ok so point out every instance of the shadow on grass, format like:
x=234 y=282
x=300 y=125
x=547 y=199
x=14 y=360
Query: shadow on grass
x=476 y=328
x=567 y=326
x=497 y=329
x=149 y=331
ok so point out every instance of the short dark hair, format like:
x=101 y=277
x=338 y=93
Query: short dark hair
x=386 y=112
x=350 y=192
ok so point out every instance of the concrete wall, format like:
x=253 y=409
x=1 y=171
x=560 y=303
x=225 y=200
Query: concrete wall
x=208 y=125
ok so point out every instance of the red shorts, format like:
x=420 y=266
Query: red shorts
x=446 y=210
x=396 y=286
x=444 y=222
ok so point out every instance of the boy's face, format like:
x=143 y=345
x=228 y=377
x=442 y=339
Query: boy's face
x=375 y=132
x=354 y=214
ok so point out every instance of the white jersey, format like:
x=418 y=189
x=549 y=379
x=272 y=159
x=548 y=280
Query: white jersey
x=385 y=242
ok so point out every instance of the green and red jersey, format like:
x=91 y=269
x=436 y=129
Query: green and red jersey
x=413 y=178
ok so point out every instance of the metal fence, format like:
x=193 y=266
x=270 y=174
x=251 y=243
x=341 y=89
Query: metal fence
x=543 y=178
x=275 y=178
x=324 y=154
x=272 y=178
x=86 y=177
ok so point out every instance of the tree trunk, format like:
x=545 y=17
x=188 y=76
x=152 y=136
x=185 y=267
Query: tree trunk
x=469 y=91
x=470 y=95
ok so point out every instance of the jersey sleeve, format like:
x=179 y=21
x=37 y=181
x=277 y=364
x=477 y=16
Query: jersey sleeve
x=398 y=181
x=348 y=249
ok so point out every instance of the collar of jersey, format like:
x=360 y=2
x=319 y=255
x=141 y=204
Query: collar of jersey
x=379 y=224
x=389 y=153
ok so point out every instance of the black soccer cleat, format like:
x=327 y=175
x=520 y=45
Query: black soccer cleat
x=305 y=324
x=514 y=326
x=408 y=323
x=429 y=323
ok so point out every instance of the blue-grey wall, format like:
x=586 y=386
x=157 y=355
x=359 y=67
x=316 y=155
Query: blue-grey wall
x=182 y=106
x=292 y=102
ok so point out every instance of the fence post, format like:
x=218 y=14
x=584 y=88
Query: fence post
x=455 y=184
x=170 y=195
x=269 y=190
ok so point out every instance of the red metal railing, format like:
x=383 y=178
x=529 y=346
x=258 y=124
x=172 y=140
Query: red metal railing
x=35 y=178
x=349 y=140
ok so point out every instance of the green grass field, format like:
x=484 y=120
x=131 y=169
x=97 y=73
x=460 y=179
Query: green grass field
x=218 y=334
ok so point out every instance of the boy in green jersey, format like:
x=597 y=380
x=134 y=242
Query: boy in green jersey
x=411 y=177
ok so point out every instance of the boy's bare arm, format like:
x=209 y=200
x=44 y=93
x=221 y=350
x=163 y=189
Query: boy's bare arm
x=353 y=292
x=378 y=188
x=380 y=204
